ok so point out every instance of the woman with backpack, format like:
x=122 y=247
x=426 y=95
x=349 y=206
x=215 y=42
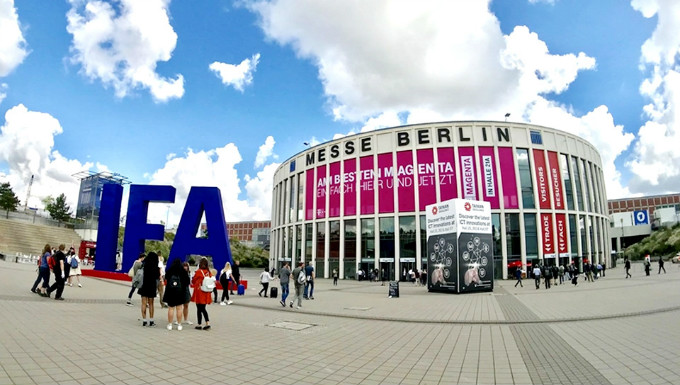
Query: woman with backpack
x=177 y=280
x=149 y=287
x=74 y=263
x=43 y=272
x=202 y=294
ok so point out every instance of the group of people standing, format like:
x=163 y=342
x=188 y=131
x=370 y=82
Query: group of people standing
x=555 y=274
x=174 y=287
x=64 y=266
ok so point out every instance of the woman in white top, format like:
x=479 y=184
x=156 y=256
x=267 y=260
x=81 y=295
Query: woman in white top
x=264 y=281
x=225 y=278
x=74 y=271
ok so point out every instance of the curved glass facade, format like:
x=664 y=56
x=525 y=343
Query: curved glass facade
x=358 y=202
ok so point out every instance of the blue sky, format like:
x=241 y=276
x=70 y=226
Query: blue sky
x=221 y=92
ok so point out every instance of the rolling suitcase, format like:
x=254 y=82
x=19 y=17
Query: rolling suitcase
x=275 y=292
x=241 y=290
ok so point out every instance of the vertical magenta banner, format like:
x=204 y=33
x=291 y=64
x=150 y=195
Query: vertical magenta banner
x=547 y=232
x=468 y=174
x=349 y=183
x=366 y=185
x=427 y=180
x=385 y=183
x=556 y=180
x=405 y=181
x=487 y=167
x=309 y=195
x=334 y=190
x=447 y=174
x=506 y=159
x=562 y=245
x=321 y=188
x=541 y=179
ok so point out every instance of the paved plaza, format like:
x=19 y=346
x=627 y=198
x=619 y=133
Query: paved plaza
x=612 y=331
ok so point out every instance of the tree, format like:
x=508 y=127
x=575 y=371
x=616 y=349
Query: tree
x=58 y=208
x=8 y=200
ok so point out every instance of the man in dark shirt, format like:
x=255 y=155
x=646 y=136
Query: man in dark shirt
x=309 y=284
x=236 y=273
x=59 y=275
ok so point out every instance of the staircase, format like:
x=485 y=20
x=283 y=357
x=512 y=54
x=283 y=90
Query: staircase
x=27 y=238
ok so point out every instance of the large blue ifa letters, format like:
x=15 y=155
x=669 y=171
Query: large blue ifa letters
x=201 y=200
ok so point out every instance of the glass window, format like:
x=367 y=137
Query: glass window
x=577 y=182
x=526 y=185
x=300 y=199
x=350 y=257
x=497 y=246
x=407 y=241
x=423 y=243
x=298 y=243
x=386 y=228
x=582 y=230
x=512 y=237
x=566 y=176
x=320 y=248
x=289 y=252
x=368 y=240
x=291 y=202
x=586 y=182
x=573 y=232
x=531 y=236
x=334 y=246
x=308 y=241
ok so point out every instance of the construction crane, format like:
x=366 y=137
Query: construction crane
x=28 y=193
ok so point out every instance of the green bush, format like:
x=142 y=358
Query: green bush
x=663 y=242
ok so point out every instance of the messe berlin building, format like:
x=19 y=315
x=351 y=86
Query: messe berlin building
x=359 y=202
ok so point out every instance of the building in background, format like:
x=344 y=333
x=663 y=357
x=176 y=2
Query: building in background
x=253 y=234
x=632 y=219
x=358 y=202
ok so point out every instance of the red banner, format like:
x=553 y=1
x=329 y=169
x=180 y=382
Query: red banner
x=541 y=179
x=548 y=236
x=562 y=241
x=556 y=180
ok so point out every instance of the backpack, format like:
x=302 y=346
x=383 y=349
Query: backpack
x=174 y=284
x=302 y=278
x=208 y=284
x=74 y=262
x=51 y=262
x=139 y=278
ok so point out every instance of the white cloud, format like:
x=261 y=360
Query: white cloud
x=385 y=63
x=120 y=45
x=238 y=76
x=656 y=160
x=3 y=93
x=27 y=146
x=265 y=151
x=12 y=44
x=216 y=167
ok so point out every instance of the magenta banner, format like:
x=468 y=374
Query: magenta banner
x=321 y=187
x=349 y=183
x=487 y=165
x=309 y=194
x=556 y=180
x=541 y=179
x=385 y=183
x=405 y=176
x=334 y=187
x=427 y=182
x=366 y=185
x=506 y=160
x=447 y=174
x=468 y=174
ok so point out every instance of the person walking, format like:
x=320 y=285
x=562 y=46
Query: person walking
x=75 y=270
x=177 y=280
x=59 y=275
x=135 y=268
x=561 y=274
x=335 y=278
x=518 y=275
x=284 y=279
x=627 y=267
x=648 y=266
x=264 y=281
x=537 y=277
x=661 y=266
x=199 y=297
x=299 y=278
x=225 y=277
x=236 y=273
x=547 y=275
x=43 y=272
x=309 y=284
x=149 y=288
x=604 y=267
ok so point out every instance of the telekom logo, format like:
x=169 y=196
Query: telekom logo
x=434 y=210
x=468 y=206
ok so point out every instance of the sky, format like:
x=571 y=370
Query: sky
x=221 y=92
